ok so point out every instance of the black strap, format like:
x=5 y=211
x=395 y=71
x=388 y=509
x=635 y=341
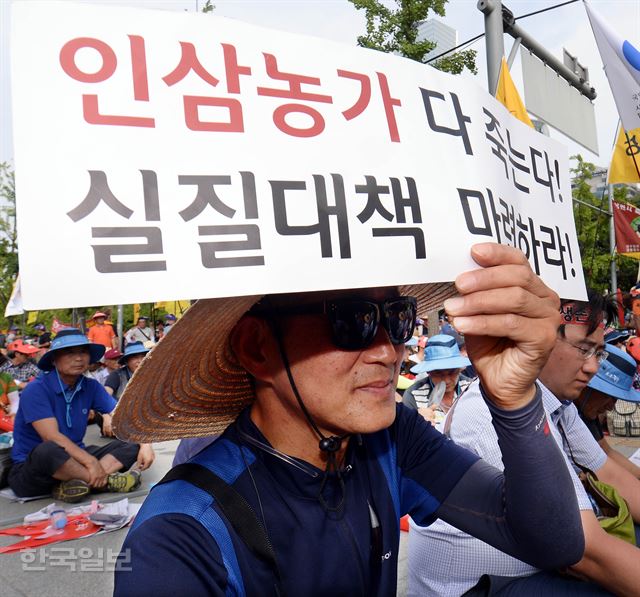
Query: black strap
x=235 y=509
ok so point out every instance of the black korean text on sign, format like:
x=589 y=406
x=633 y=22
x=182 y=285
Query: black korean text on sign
x=433 y=100
x=503 y=223
x=211 y=251
x=99 y=192
x=402 y=204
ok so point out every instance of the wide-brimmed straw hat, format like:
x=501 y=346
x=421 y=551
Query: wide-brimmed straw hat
x=192 y=385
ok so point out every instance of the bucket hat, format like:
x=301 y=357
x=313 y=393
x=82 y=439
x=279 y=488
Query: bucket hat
x=98 y=314
x=131 y=349
x=112 y=353
x=192 y=385
x=442 y=352
x=615 y=376
x=617 y=336
x=633 y=348
x=170 y=317
x=67 y=338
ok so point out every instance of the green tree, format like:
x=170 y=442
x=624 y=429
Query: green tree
x=208 y=7
x=8 y=234
x=396 y=31
x=592 y=227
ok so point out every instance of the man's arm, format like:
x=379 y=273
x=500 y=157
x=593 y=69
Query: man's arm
x=619 y=458
x=612 y=563
x=626 y=484
x=48 y=430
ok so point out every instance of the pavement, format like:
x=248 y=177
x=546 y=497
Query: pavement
x=85 y=567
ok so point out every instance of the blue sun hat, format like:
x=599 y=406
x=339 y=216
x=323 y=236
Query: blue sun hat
x=413 y=341
x=67 y=338
x=615 y=375
x=441 y=352
x=131 y=349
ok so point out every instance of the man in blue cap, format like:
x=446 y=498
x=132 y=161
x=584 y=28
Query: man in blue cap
x=434 y=395
x=117 y=380
x=48 y=454
x=613 y=381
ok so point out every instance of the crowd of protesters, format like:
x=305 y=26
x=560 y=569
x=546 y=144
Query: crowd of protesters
x=52 y=386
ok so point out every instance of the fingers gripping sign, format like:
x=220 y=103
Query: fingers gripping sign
x=509 y=318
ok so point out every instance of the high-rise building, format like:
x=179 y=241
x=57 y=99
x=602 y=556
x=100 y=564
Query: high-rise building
x=445 y=37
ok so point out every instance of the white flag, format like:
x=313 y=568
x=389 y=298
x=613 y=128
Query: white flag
x=14 y=306
x=621 y=63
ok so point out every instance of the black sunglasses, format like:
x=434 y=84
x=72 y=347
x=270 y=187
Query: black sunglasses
x=354 y=322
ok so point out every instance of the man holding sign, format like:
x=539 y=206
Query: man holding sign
x=302 y=493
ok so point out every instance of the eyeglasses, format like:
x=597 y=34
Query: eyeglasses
x=587 y=353
x=355 y=322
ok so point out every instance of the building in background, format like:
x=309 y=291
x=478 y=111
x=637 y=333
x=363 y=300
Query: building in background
x=444 y=36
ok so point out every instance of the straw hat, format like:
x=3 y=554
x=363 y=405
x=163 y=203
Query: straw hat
x=191 y=384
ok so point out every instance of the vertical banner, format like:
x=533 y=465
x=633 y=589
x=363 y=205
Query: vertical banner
x=626 y=219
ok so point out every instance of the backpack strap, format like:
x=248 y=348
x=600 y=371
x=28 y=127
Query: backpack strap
x=236 y=510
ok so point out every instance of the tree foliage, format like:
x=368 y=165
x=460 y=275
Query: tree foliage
x=396 y=31
x=8 y=233
x=592 y=228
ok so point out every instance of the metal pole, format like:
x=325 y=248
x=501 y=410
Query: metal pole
x=494 y=39
x=120 y=326
x=612 y=244
x=514 y=50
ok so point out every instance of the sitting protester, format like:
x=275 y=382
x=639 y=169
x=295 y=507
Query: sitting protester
x=9 y=401
x=614 y=381
x=468 y=564
x=444 y=363
x=20 y=366
x=117 y=380
x=48 y=453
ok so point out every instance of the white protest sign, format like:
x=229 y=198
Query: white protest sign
x=175 y=154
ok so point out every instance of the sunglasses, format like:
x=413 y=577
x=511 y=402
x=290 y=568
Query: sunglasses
x=355 y=322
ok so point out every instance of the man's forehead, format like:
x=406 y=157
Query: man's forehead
x=578 y=333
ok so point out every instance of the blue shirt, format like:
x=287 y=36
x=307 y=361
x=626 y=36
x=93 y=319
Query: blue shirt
x=44 y=398
x=180 y=543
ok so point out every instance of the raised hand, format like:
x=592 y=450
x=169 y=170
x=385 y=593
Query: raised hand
x=509 y=318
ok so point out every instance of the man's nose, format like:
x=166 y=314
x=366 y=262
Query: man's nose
x=381 y=348
x=591 y=365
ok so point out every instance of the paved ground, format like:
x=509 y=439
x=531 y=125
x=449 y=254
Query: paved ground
x=77 y=577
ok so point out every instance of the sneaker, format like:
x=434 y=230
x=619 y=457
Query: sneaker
x=123 y=482
x=72 y=491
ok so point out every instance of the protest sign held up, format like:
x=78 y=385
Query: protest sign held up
x=183 y=155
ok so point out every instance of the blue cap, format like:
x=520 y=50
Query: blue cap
x=615 y=376
x=131 y=349
x=441 y=352
x=617 y=335
x=67 y=338
x=170 y=317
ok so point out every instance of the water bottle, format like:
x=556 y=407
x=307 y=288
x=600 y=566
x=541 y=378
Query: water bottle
x=58 y=519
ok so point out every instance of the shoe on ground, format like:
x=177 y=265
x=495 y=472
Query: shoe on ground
x=72 y=491
x=123 y=482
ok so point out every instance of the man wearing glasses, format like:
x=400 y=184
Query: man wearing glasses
x=610 y=563
x=303 y=491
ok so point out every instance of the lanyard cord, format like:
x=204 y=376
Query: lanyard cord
x=68 y=398
x=330 y=445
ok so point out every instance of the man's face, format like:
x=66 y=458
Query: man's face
x=99 y=320
x=142 y=323
x=19 y=358
x=72 y=361
x=134 y=362
x=593 y=403
x=345 y=391
x=448 y=376
x=111 y=364
x=567 y=372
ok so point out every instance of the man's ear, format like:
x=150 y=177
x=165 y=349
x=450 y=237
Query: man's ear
x=253 y=344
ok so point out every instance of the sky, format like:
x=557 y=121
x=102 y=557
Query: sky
x=338 y=20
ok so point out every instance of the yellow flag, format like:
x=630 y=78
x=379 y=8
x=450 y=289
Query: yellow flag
x=625 y=161
x=32 y=318
x=136 y=312
x=508 y=95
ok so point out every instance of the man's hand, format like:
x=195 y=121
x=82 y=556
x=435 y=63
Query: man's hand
x=97 y=475
x=146 y=456
x=510 y=320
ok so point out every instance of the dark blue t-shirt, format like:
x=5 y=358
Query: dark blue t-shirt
x=43 y=398
x=181 y=544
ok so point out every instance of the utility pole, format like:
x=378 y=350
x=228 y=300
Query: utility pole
x=612 y=244
x=494 y=38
